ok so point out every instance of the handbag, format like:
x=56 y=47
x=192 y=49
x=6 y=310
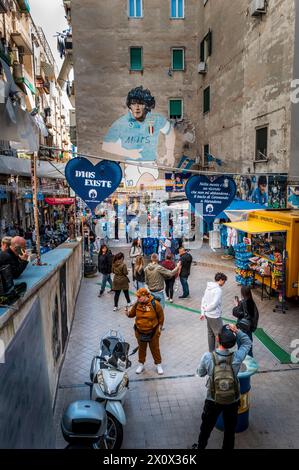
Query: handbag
x=244 y=323
x=146 y=337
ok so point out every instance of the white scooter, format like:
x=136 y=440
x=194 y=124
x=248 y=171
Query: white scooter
x=110 y=383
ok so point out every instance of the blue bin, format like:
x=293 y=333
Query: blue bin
x=243 y=411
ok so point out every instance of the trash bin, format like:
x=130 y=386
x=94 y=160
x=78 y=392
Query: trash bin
x=247 y=369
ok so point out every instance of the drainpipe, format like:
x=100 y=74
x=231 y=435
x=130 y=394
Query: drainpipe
x=294 y=154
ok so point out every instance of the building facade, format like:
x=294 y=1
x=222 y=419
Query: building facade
x=220 y=69
x=29 y=86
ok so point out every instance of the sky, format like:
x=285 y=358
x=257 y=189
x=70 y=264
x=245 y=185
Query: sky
x=50 y=15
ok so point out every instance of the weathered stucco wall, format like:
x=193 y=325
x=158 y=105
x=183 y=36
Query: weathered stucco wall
x=102 y=36
x=35 y=334
x=249 y=72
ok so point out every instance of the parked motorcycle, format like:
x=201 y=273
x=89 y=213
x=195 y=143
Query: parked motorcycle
x=110 y=383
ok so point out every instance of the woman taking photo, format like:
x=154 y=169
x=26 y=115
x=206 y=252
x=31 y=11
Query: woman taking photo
x=136 y=250
x=139 y=272
x=120 y=280
x=247 y=313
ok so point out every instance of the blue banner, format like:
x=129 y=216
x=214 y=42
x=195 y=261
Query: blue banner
x=93 y=183
x=215 y=194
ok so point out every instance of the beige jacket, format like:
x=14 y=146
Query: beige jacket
x=155 y=275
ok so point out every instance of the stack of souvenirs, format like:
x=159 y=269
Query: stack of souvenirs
x=244 y=274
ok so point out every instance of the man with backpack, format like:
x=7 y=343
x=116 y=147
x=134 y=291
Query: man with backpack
x=223 y=394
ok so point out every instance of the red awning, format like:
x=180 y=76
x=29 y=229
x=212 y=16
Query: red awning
x=55 y=201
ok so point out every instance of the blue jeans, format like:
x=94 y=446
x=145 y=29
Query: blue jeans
x=250 y=353
x=185 y=286
x=106 y=278
x=160 y=297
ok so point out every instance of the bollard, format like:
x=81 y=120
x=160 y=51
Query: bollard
x=247 y=369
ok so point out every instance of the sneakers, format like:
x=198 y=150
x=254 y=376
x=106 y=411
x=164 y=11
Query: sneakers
x=184 y=296
x=167 y=298
x=115 y=309
x=100 y=294
x=159 y=369
x=140 y=369
x=171 y=301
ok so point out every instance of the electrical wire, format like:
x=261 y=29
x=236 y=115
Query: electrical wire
x=159 y=167
x=144 y=165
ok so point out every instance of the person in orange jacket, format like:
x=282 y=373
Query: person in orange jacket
x=149 y=319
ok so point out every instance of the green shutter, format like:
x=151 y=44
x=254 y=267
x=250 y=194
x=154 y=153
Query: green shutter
x=175 y=109
x=136 y=58
x=206 y=100
x=178 y=59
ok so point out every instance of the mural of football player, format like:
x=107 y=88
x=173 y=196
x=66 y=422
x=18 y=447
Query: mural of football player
x=135 y=136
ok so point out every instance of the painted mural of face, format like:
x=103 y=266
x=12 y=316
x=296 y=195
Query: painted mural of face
x=138 y=110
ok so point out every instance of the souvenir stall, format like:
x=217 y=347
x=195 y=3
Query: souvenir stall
x=269 y=253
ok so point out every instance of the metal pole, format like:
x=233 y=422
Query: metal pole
x=35 y=206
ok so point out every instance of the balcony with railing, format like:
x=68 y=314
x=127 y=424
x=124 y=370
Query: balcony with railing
x=21 y=35
x=4 y=6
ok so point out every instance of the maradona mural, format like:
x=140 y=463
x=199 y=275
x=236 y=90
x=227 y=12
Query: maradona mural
x=135 y=136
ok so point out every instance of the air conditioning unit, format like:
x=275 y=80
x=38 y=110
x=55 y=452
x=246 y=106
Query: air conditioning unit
x=202 y=67
x=258 y=7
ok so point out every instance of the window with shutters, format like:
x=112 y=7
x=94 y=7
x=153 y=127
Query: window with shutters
x=206 y=100
x=135 y=8
x=206 y=47
x=206 y=152
x=136 y=58
x=261 y=148
x=178 y=59
x=175 y=109
x=177 y=9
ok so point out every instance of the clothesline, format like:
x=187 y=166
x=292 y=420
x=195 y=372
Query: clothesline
x=147 y=165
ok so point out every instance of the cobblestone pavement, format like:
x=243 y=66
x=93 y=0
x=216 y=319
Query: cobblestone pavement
x=164 y=411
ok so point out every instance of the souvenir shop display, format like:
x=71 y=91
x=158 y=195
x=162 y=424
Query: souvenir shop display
x=275 y=252
x=244 y=275
x=268 y=260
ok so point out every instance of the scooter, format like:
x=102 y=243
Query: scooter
x=110 y=383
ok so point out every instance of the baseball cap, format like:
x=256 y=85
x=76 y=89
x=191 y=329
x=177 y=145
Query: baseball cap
x=227 y=338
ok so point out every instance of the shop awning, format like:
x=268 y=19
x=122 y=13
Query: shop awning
x=237 y=205
x=56 y=201
x=22 y=166
x=255 y=226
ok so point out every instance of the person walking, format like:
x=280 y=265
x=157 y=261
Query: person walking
x=136 y=250
x=247 y=313
x=223 y=394
x=149 y=319
x=120 y=280
x=169 y=282
x=154 y=278
x=211 y=308
x=139 y=272
x=186 y=261
x=105 y=259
